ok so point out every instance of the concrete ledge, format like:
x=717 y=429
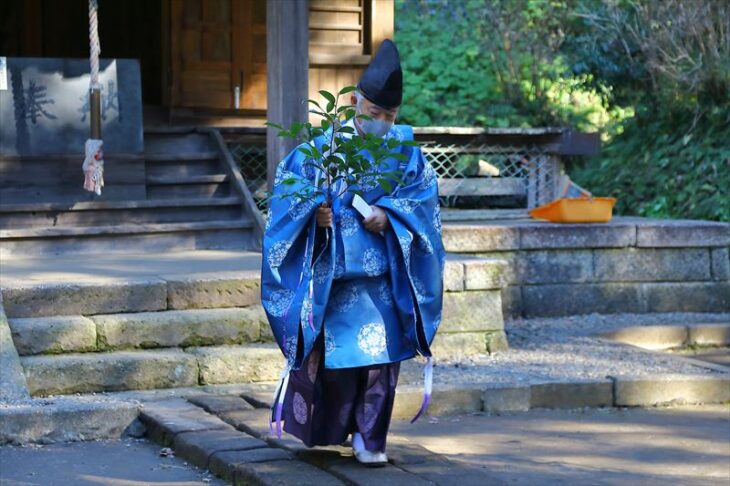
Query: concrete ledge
x=681 y=233
x=665 y=337
x=63 y=419
x=642 y=392
x=39 y=300
x=507 y=398
x=542 y=235
x=572 y=395
x=712 y=334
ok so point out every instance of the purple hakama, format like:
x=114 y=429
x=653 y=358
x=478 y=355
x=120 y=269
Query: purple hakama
x=324 y=406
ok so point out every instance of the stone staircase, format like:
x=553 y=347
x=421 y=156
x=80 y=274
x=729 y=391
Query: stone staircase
x=184 y=192
x=197 y=329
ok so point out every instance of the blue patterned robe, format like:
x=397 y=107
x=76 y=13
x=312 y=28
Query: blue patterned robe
x=377 y=298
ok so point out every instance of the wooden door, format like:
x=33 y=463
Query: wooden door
x=217 y=45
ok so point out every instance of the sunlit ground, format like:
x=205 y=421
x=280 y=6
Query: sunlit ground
x=671 y=445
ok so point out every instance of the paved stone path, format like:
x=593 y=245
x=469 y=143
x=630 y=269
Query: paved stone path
x=671 y=445
x=127 y=462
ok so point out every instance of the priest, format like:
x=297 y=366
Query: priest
x=349 y=296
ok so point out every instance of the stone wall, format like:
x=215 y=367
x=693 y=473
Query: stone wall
x=630 y=265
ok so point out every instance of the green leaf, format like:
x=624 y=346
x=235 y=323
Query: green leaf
x=329 y=96
x=385 y=184
x=347 y=89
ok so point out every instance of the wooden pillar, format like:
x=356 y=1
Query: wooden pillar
x=287 y=63
x=383 y=23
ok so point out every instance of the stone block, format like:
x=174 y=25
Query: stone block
x=53 y=335
x=506 y=398
x=687 y=297
x=632 y=392
x=480 y=237
x=512 y=301
x=65 y=419
x=720 y=263
x=651 y=264
x=214 y=290
x=554 y=266
x=12 y=380
x=665 y=233
x=254 y=422
x=650 y=337
x=711 y=334
x=474 y=310
x=453 y=276
x=497 y=342
x=571 y=395
x=197 y=447
x=355 y=473
x=165 y=419
x=38 y=300
x=237 y=364
x=195 y=327
x=121 y=370
x=458 y=345
x=510 y=259
x=455 y=399
x=485 y=274
x=575 y=299
x=220 y=403
x=282 y=473
x=445 y=400
x=223 y=464
x=542 y=236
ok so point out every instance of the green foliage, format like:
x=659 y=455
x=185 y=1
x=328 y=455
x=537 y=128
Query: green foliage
x=677 y=166
x=345 y=156
x=491 y=63
x=653 y=77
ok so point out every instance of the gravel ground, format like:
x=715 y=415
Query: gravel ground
x=565 y=349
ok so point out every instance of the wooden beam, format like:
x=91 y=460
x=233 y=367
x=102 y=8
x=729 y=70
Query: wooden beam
x=381 y=22
x=287 y=63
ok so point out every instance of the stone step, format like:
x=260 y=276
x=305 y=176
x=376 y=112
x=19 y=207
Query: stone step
x=212 y=234
x=139 y=330
x=194 y=163
x=68 y=418
x=100 y=213
x=150 y=369
x=164 y=292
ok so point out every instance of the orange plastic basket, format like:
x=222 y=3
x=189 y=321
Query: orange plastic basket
x=595 y=210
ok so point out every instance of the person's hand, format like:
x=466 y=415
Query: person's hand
x=377 y=221
x=324 y=216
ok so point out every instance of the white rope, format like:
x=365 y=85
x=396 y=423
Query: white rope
x=94 y=46
x=93 y=165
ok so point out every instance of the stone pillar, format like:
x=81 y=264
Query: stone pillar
x=287 y=61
